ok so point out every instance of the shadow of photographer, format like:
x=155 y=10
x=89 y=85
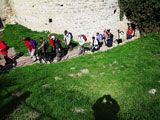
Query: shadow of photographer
x=106 y=108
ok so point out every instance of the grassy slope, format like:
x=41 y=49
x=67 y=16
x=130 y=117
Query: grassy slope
x=137 y=71
x=13 y=35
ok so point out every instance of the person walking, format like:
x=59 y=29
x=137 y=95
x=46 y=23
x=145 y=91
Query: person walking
x=27 y=45
x=4 y=51
x=120 y=35
x=130 y=33
x=32 y=45
x=109 y=39
x=43 y=50
x=82 y=39
x=68 y=39
x=57 y=47
x=99 y=37
x=94 y=44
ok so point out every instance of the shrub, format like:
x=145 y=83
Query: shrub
x=143 y=13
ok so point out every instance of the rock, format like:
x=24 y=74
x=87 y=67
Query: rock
x=116 y=68
x=85 y=71
x=122 y=66
x=79 y=74
x=115 y=62
x=72 y=68
x=110 y=65
x=32 y=115
x=102 y=73
x=93 y=76
x=58 y=78
x=46 y=86
x=16 y=93
x=11 y=52
x=78 y=110
x=152 y=91
x=71 y=75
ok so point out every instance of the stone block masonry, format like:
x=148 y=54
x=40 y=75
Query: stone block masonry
x=77 y=16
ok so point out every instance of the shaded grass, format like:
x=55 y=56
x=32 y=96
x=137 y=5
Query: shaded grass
x=130 y=71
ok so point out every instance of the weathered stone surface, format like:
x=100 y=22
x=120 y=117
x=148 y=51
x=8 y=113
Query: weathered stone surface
x=78 y=16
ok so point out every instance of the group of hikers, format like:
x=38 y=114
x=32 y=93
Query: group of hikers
x=106 y=38
x=56 y=47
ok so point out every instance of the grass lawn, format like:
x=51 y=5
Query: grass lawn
x=127 y=73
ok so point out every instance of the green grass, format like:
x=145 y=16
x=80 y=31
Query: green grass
x=135 y=72
x=13 y=35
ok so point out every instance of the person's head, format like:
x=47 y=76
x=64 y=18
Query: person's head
x=108 y=30
x=118 y=30
x=49 y=35
x=41 y=39
x=97 y=33
x=93 y=38
x=105 y=30
x=23 y=39
x=65 y=32
x=129 y=27
x=28 y=38
x=53 y=37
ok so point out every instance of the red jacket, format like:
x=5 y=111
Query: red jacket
x=27 y=44
x=2 y=48
x=130 y=31
x=51 y=42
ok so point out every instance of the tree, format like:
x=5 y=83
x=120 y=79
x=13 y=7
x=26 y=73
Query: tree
x=144 y=13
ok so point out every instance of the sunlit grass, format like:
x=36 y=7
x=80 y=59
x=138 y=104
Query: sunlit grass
x=127 y=73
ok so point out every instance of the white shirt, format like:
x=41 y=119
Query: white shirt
x=95 y=42
x=120 y=34
x=81 y=40
x=67 y=39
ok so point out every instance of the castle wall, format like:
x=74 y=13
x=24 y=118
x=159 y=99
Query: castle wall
x=77 y=16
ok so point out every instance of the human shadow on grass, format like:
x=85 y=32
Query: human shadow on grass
x=12 y=64
x=106 y=108
x=9 y=107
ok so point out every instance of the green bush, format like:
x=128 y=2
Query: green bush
x=143 y=13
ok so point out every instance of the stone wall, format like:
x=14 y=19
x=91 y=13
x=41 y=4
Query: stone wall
x=6 y=12
x=77 y=16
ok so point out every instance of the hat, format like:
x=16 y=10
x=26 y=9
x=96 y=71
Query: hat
x=108 y=30
x=52 y=37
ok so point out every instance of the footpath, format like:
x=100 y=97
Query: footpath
x=26 y=60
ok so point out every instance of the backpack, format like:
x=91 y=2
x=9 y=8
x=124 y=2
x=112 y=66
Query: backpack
x=85 y=38
x=57 y=43
x=71 y=35
x=35 y=42
x=46 y=44
x=6 y=46
x=101 y=36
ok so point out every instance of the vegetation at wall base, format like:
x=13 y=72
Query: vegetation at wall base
x=14 y=33
x=143 y=13
x=48 y=92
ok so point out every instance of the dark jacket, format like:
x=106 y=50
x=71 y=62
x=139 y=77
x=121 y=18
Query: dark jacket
x=44 y=46
x=57 y=44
